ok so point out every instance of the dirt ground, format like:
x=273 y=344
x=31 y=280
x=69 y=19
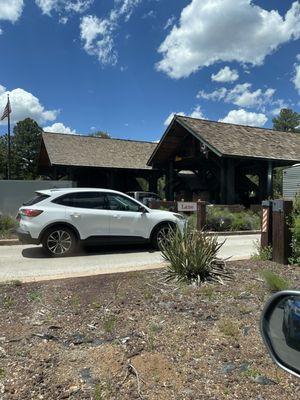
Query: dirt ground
x=132 y=336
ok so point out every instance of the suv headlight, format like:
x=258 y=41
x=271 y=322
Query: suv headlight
x=180 y=216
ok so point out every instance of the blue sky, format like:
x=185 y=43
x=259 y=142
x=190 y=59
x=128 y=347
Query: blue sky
x=125 y=66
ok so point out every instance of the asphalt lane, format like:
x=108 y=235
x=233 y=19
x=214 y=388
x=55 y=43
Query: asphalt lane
x=29 y=263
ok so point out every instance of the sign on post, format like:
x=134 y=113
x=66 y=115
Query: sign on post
x=186 y=206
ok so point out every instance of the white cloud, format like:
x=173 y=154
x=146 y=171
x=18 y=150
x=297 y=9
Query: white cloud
x=98 y=34
x=241 y=95
x=225 y=75
x=59 y=127
x=170 y=22
x=216 y=95
x=296 y=78
x=98 y=39
x=225 y=30
x=244 y=117
x=279 y=104
x=149 y=14
x=171 y=116
x=196 y=113
x=78 y=6
x=11 y=10
x=24 y=105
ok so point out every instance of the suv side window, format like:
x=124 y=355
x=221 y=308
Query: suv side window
x=90 y=200
x=120 y=203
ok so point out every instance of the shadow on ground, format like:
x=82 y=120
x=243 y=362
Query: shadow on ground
x=37 y=252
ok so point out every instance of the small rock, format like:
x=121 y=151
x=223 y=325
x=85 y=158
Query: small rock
x=263 y=380
x=188 y=393
x=2 y=352
x=246 y=330
x=86 y=375
x=228 y=367
x=244 y=367
x=124 y=340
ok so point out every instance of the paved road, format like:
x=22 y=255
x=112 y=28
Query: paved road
x=28 y=263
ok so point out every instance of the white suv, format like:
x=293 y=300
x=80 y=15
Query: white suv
x=60 y=219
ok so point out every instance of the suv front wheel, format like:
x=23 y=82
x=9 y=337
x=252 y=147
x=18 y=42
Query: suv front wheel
x=160 y=234
x=59 y=241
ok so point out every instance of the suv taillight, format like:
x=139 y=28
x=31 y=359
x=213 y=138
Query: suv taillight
x=30 y=213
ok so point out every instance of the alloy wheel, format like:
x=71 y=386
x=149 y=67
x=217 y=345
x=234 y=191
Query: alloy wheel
x=59 y=242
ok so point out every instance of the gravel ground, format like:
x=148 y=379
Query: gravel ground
x=132 y=336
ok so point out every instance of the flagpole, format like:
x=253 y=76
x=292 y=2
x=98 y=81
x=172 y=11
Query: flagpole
x=9 y=148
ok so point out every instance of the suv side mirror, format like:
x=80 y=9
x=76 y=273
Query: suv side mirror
x=280 y=329
x=142 y=209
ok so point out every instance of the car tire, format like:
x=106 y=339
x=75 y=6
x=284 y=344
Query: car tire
x=160 y=233
x=59 y=241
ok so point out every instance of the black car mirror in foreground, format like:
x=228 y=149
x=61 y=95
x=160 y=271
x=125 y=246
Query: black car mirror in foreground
x=280 y=329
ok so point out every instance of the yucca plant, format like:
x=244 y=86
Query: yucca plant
x=193 y=257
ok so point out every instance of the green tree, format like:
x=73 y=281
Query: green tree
x=101 y=134
x=3 y=157
x=25 y=144
x=287 y=121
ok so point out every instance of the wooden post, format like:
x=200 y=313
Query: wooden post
x=201 y=215
x=270 y=179
x=266 y=224
x=281 y=231
x=230 y=181
x=223 y=182
x=153 y=183
x=171 y=181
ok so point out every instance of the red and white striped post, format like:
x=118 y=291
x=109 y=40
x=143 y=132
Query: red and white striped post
x=266 y=225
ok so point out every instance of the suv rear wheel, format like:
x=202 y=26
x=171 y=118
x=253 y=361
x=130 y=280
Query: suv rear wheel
x=59 y=241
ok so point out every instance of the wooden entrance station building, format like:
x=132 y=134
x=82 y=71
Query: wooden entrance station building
x=225 y=163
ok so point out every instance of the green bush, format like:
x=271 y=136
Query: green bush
x=220 y=220
x=7 y=225
x=193 y=257
x=295 y=228
x=275 y=283
x=262 y=253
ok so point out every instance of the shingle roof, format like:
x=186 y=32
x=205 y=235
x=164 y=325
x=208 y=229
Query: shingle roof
x=245 y=141
x=88 y=151
x=239 y=140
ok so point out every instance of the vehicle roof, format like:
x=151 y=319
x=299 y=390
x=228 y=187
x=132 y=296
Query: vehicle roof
x=59 y=191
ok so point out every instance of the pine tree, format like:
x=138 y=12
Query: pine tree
x=287 y=121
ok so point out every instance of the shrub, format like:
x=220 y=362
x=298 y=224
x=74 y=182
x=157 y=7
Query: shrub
x=7 y=225
x=262 y=253
x=193 y=257
x=220 y=220
x=275 y=283
x=295 y=229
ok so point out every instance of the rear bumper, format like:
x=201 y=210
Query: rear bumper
x=25 y=237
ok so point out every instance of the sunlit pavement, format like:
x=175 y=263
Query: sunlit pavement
x=29 y=263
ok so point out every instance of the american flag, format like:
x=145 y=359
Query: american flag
x=7 y=111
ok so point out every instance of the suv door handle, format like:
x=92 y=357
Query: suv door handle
x=117 y=216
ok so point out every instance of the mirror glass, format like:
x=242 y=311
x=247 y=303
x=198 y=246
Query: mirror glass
x=281 y=330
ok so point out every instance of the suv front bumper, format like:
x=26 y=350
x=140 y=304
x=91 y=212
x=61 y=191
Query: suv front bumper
x=25 y=237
